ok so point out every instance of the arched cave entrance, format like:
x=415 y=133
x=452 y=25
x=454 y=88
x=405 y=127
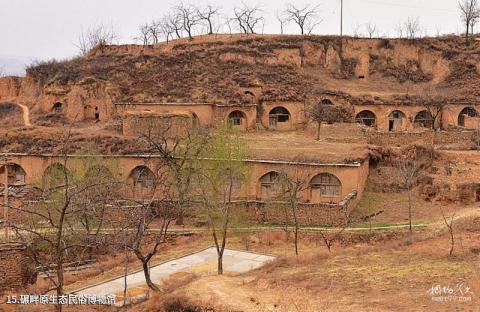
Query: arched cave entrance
x=424 y=119
x=278 y=115
x=237 y=119
x=16 y=174
x=467 y=111
x=269 y=186
x=366 y=118
x=325 y=187
x=395 y=121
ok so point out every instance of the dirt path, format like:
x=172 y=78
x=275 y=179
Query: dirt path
x=26 y=115
x=25 y=110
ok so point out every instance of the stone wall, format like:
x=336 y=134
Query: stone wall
x=16 y=268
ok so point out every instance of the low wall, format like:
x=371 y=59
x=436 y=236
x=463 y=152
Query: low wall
x=16 y=268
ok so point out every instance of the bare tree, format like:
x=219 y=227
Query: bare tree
x=165 y=28
x=412 y=28
x=282 y=19
x=144 y=34
x=209 y=15
x=470 y=13
x=448 y=220
x=157 y=206
x=400 y=30
x=95 y=37
x=248 y=18
x=155 y=30
x=306 y=18
x=356 y=31
x=371 y=29
x=65 y=215
x=175 y=23
x=412 y=162
x=189 y=18
x=328 y=113
x=294 y=180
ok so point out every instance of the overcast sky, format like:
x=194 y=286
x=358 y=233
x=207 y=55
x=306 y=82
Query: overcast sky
x=44 y=29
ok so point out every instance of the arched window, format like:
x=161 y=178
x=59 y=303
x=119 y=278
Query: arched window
x=325 y=185
x=366 y=118
x=249 y=97
x=57 y=107
x=424 y=119
x=16 y=174
x=236 y=118
x=270 y=185
x=143 y=178
x=326 y=102
x=278 y=115
x=395 y=121
x=467 y=111
x=54 y=175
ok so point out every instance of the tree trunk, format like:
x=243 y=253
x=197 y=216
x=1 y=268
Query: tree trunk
x=220 y=263
x=466 y=35
x=452 y=239
x=146 y=271
x=410 y=209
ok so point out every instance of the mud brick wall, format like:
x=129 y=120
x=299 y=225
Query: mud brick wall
x=308 y=214
x=16 y=268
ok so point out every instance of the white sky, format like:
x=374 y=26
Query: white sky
x=44 y=29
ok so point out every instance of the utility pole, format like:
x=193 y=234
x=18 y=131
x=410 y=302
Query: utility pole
x=341 y=19
x=5 y=196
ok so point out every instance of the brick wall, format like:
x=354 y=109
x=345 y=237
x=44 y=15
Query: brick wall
x=16 y=268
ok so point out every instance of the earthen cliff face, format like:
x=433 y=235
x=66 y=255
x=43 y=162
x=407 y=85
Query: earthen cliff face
x=221 y=69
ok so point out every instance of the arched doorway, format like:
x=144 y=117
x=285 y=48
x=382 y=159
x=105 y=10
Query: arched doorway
x=325 y=187
x=269 y=186
x=423 y=119
x=279 y=116
x=467 y=111
x=57 y=108
x=16 y=174
x=142 y=180
x=366 y=118
x=396 y=120
x=237 y=119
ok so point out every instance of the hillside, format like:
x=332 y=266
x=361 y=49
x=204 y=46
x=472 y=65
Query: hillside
x=218 y=69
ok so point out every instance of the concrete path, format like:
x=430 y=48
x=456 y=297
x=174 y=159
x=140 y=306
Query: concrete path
x=204 y=261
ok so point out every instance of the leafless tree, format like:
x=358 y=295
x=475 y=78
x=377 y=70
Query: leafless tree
x=448 y=220
x=293 y=180
x=321 y=112
x=144 y=34
x=282 y=19
x=412 y=28
x=65 y=215
x=175 y=23
x=155 y=30
x=470 y=13
x=400 y=30
x=209 y=15
x=412 y=162
x=189 y=18
x=95 y=37
x=157 y=206
x=306 y=17
x=371 y=29
x=165 y=28
x=356 y=31
x=248 y=18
